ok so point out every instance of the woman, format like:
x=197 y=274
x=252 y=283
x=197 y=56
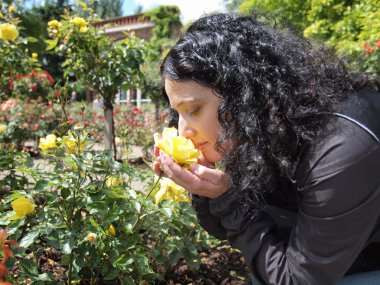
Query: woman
x=298 y=137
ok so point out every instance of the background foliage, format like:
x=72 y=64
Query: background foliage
x=351 y=27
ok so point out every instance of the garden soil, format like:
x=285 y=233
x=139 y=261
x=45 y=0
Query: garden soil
x=221 y=265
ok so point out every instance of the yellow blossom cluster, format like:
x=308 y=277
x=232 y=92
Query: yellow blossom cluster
x=171 y=191
x=3 y=128
x=22 y=207
x=49 y=142
x=69 y=142
x=72 y=145
x=111 y=230
x=8 y=32
x=114 y=181
x=81 y=23
x=54 y=27
x=181 y=149
x=55 y=24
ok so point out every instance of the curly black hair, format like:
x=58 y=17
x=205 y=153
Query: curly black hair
x=274 y=87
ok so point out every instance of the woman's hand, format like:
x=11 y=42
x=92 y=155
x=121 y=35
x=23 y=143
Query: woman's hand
x=201 y=179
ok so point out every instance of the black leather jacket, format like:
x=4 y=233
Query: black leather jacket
x=336 y=229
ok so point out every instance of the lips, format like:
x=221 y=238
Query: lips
x=199 y=145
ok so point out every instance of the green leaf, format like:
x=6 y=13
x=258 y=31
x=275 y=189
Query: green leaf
x=32 y=40
x=96 y=225
x=124 y=262
x=40 y=185
x=126 y=280
x=51 y=43
x=83 y=4
x=68 y=246
x=65 y=192
x=29 y=267
x=30 y=238
x=65 y=63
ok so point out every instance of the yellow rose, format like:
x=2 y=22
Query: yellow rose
x=171 y=191
x=54 y=24
x=111 y=230
x=114 y=181
x=178 y=147
x=72 y=144
x=8 y=32
x=83 y=29
x=11 y=9
x=34 y=55
x=80 y=22
x=49 y=142
x=22 y=207
x=3 y=128
x=1 y=15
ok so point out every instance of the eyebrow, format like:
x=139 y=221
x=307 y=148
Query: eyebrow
x=184 y=102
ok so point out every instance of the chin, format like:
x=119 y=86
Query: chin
x=213 y=158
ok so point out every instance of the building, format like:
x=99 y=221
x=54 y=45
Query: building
x=115 y=28
x=139 y=24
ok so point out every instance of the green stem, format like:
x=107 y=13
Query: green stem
x=70 y=270
x=146 y=197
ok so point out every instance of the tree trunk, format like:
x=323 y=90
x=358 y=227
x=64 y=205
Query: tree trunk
x=109 y=129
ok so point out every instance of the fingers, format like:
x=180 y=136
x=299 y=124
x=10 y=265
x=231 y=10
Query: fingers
x=199 y=180
x=156 y=167
x=176 y=173
x=214 y=176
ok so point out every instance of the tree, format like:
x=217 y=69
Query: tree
x=96 y=61
x=352 y=27
x=167 y=25
x=107 y=8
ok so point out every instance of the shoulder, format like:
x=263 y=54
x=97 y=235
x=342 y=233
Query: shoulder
x=341 y=168
x=363 y=109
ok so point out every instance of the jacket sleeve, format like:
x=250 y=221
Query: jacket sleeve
x=207 y=221
x=340 y=198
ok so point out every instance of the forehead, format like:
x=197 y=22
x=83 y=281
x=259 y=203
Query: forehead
x=180 y=92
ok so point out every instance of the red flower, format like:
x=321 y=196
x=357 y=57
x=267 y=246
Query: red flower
x=5 y=246
x=378 y=43
x=137 y=110
x=80 y=113
x=33 y=88
x=367 y=48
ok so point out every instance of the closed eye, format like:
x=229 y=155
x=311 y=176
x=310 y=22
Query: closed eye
x=194 y=110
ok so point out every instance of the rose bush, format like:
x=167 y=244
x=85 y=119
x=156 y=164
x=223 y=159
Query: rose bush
x=14 y=59
x=84 y=206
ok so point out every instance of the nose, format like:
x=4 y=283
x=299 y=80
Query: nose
x=185 y=129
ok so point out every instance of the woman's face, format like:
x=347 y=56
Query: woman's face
x=197 y=108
